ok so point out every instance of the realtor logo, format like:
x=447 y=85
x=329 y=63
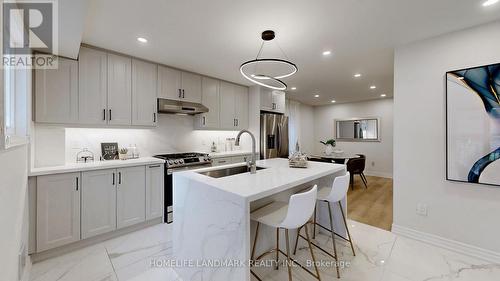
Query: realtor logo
x=29 y=27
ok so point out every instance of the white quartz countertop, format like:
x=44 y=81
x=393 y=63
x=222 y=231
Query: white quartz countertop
x=277 y=177
x=97 y=165
x=229 y=153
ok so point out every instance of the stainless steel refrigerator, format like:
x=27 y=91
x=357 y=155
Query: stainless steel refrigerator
x=273 y=136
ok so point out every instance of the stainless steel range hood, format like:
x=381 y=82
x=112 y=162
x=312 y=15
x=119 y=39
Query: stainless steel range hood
x=180 y=107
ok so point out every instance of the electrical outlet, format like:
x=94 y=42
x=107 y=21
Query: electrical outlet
x=422 y=209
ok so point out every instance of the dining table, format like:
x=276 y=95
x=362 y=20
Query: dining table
x=339 y=158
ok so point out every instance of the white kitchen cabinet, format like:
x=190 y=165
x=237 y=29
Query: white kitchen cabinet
x=169 y=83
x=191 y=87
x=272 y=100
x=130 y=196
x=58 y=210
x=154 y=191
x=119 y=90
x=56 y=93
x=210 y=99
x=227 y=108
x=222 y=161
x=233 y=106
x=92 y=87
x=144 y=83
x=178 y=85
x=98 y=202
x=241 y=107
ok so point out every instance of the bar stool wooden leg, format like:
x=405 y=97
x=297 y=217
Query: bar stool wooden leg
x=255 y=241
x=314 y=224
x=288 y=255
x=277 y=247
x=333 y=240
x=297 y=241
x=312 y=253
x=347 y=228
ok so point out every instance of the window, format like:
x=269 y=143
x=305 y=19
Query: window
x=16 y=90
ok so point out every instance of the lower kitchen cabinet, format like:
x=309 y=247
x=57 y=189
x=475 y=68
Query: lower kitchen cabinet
x=98 y=202
x=74 y=206
x=57 y=210
x=130 y=196
x=154 y=191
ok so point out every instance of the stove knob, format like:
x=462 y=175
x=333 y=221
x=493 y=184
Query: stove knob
x=181 y=161
x=176 y=161
x=170 y=162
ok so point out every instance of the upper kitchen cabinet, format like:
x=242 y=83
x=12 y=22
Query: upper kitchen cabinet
x=119 y=90
x=144 y=82
x=233 y=106
x=272 y=100
x=191 y=87
x=56 y=93
x=92 y=81
x=210 y=99
x=177 y=85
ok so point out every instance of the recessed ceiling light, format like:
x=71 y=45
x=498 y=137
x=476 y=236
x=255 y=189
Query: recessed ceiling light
x=383 y=95
x=316 y=96
x=293 y=88
x=142 y=39
x=326 y=53
x=373 y=87
x=334 y=101
x=489 y=3
x=357 y=75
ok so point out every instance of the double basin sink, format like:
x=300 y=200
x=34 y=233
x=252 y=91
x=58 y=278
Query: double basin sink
x=225 y=172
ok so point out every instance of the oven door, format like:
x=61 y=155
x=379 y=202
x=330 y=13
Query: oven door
x=169 y=189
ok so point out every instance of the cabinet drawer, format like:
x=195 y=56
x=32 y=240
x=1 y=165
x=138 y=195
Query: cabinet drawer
x=222 y=161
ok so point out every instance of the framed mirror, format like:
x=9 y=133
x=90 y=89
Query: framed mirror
x=357 y=129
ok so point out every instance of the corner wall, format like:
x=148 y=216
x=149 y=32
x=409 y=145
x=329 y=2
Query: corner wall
x=378 y=154
x=457 y=212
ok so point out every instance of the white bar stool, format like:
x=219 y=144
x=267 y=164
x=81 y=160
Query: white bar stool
x=285 y=216
x=331 y=195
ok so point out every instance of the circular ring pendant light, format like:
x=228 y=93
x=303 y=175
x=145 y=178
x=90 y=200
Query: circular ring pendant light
x=267 y=72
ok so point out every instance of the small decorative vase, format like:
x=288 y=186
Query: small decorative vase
x=328 y=149
x=122 y=156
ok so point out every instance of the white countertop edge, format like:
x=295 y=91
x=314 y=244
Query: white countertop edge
x=229 y=153
x=194 y=174
x=97 y=165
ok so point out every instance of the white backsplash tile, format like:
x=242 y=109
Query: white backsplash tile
x=56 y=145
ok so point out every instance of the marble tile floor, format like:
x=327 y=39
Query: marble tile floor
x=380 y=256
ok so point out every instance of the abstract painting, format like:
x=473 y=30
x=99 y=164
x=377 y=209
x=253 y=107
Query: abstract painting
x=473 y=125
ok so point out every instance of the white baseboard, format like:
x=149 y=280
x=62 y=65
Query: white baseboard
x=378 y=174
x=448 y=244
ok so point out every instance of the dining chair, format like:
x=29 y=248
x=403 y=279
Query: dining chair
x=356 y=166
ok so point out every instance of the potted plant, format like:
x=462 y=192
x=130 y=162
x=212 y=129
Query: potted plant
x=123 y=154
x=329 y=145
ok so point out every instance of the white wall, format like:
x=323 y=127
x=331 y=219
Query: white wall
x=56 y=145
x=378 y=154
x=462 y=212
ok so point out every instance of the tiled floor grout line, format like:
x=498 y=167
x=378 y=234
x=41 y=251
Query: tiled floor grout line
x=111 y=262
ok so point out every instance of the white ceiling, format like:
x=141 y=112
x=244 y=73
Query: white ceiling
x=214 y=37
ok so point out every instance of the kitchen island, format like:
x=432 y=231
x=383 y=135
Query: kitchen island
x=213 y=233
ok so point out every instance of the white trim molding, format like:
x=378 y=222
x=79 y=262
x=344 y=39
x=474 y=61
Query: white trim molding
x=378 y=174
x=448 y=244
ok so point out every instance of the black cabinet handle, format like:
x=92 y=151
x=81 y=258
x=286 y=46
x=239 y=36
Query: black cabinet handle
x=113 y=178
x=154 y=117
x=154 y=166
x=110 y=115
x=77 y=183
x=119 y=177
x=203 y=120
x=180 y=93
x=104 y=114
x=183 y=96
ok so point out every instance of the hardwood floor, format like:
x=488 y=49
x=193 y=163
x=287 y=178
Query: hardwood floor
x=371 y=206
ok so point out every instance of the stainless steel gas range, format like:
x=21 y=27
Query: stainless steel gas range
x=175 y=162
